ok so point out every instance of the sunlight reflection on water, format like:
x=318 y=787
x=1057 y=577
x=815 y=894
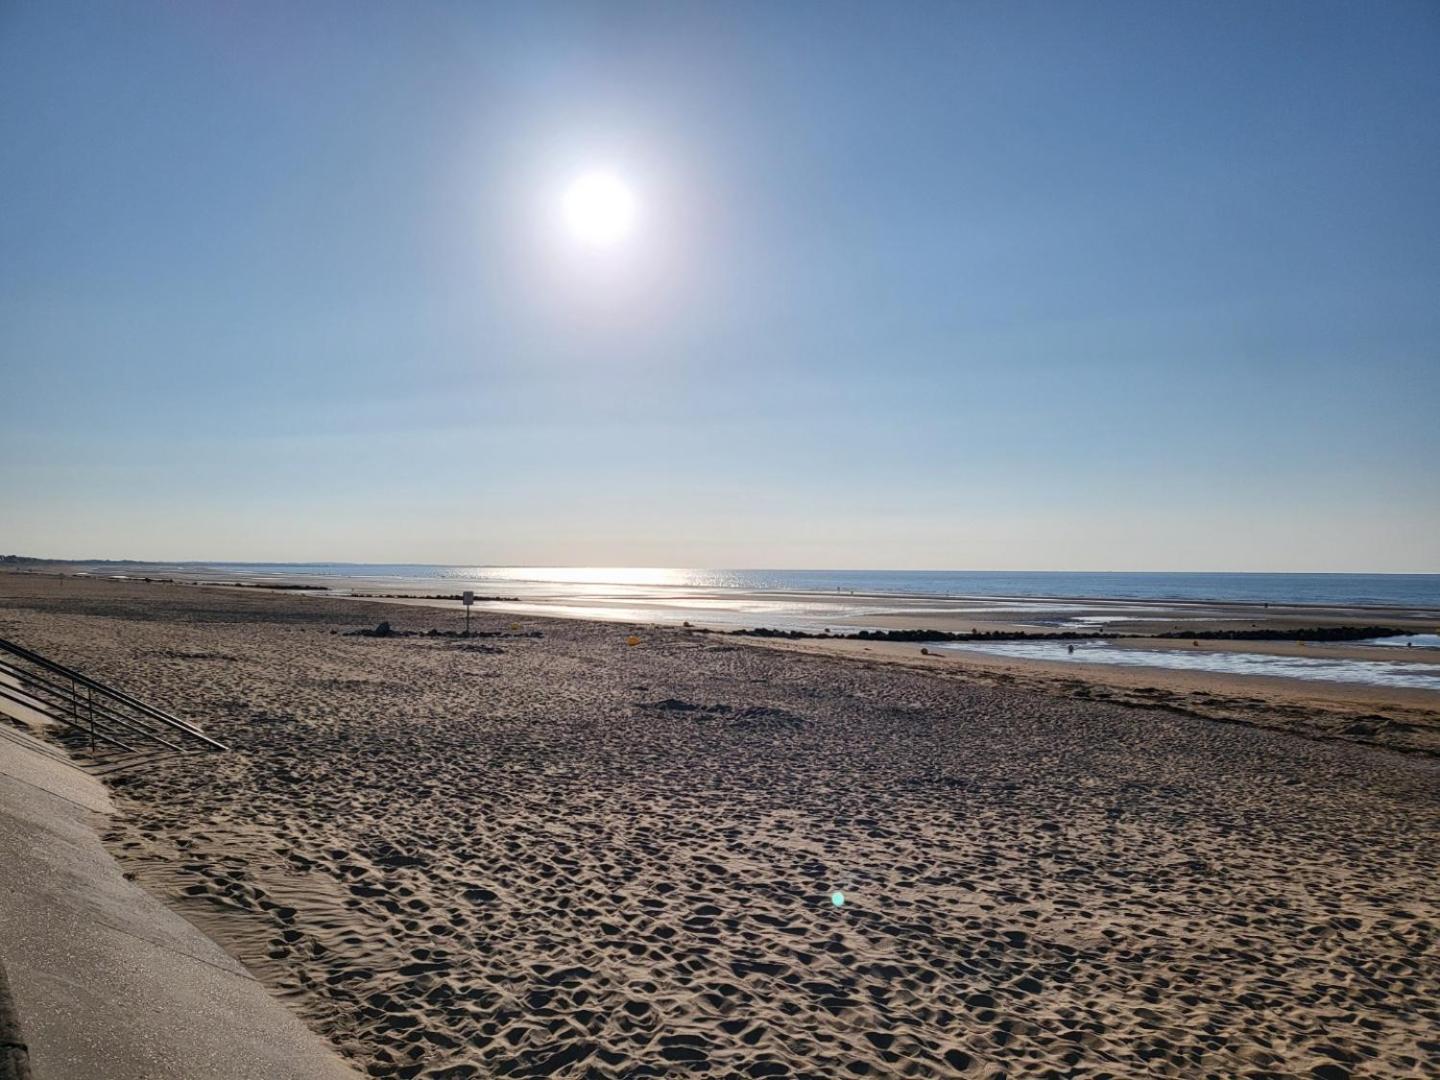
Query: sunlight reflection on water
x=1412 y=590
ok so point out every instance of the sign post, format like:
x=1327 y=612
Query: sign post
x=467 y=598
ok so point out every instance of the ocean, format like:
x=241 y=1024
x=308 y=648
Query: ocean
x=1381 y=590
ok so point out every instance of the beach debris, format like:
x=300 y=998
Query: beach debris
x=632 y=641
x=837 y=898
x=384 y=630
x=381 y=630
x=924 y=652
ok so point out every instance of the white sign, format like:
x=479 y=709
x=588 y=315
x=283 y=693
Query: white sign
x=467 y=598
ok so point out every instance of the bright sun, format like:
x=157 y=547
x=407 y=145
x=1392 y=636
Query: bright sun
x=599 y=209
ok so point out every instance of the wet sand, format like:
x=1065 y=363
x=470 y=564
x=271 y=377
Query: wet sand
x=562 y=856
x=1394 y=718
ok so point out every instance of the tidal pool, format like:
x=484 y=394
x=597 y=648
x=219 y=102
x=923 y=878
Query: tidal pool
x=1370 y=672
x=1418 y=641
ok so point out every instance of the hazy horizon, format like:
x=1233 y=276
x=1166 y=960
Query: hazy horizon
x=464 y=563
x=1110 y=288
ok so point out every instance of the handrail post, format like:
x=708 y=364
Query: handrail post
x=116 y=696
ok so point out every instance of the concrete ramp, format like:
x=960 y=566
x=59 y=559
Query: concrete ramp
x=107 y=982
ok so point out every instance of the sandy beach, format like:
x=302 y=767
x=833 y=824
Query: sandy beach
x=546 y=853
x=733 y=541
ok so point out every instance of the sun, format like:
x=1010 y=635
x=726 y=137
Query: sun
x=599 y=209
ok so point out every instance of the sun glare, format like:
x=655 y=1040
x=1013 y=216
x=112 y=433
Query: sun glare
x=599 y=209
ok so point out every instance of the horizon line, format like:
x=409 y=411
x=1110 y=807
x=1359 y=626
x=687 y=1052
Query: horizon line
x=731 y=569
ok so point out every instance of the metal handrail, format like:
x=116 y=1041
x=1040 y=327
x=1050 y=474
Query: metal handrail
x=108 y=691
x=20 y=698
x=69 y=698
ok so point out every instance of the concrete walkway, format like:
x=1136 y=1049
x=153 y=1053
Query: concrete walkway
x=108 y=983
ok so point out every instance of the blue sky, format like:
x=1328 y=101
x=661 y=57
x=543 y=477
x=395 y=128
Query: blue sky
x=1013 y=286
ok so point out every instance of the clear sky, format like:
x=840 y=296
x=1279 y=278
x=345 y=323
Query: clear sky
x=963 y=285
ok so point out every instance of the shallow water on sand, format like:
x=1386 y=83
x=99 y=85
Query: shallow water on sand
x=1418 y=641
x=1369 y=672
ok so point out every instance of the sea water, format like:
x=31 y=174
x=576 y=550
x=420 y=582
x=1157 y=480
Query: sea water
x=1337 y=590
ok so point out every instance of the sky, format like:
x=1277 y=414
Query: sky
x=955 y=286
